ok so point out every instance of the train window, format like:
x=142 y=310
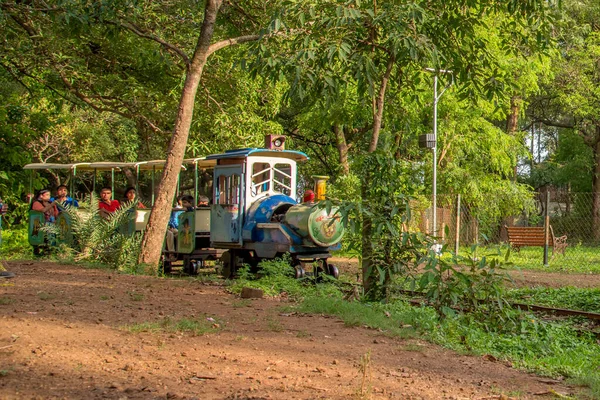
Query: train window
x=261 y=178
x=229 y=189
x=282 y=178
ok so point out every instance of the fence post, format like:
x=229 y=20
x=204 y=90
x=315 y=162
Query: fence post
x=546 y=227
x=457 y=233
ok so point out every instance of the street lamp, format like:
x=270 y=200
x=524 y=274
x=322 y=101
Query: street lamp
x=433 y=143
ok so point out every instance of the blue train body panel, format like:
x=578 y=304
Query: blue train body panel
x=261 y=212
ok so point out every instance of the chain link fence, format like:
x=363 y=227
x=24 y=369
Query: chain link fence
x=565 y=218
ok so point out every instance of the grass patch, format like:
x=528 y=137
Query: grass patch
x=241 y=303
x=274 y=324
x=577 y=258
x=372 y=316
x=194 y=327
x=134 y=296
x=412 y=347
x=15 y=244
x=549 y=349
x=45 y=296
x=565 y=297
x=4 y=301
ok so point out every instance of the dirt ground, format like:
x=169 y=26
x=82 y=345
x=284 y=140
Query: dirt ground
x=62 y=335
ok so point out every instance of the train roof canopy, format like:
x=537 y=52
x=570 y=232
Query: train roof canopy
x=201 y=161
x=106 y=166
x=152 y=165
x=289 y=154
x=55 y=166
x=102 y=166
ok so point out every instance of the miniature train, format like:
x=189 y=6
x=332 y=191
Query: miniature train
x=253 y=214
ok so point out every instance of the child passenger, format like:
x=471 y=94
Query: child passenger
x=131 y=197
x=187 y=204
x=43 y=203
x=106 y=205
x=203 y=201
x=62 y=198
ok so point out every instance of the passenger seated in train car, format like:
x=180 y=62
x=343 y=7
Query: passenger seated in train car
x=203 y=201
x=131 y=197
x=44 y=204
x=187 y=204
x=106 y=205
x=62 y=198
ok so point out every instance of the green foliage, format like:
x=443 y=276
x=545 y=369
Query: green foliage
x=15 y=244
x=343 y=42
x=276 y=277
x=381 y=217
x=569 y=102
x=549 y=349
x=371 y=315
x=470 y=284
x=578 y=259
x=102 y=240
x=566 y=297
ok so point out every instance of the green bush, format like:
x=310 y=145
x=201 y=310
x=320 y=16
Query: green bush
x=15 y=244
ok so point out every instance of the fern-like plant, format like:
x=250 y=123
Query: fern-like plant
x=101 y=240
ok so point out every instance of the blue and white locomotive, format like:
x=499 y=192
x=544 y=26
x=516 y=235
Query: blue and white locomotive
x=255 y=214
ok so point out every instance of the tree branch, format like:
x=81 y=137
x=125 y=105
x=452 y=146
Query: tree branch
x=230 y=42
x=138 y=31
x=16 y=78
x=294 y=133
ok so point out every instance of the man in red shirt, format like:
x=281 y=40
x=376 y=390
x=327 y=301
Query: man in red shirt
x=106 y=205
x=309 y=196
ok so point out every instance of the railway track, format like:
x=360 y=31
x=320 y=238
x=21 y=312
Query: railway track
x=521 y=306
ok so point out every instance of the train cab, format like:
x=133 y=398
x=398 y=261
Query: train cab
x=255 y=214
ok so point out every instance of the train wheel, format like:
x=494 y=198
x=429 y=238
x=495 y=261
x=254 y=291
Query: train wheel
x=300 y=272
x=230 y=261
x=190 y=267
x=320 y=269
x=333 y=271
x=166 y=267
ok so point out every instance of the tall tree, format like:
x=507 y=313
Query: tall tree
x=333 y=45
x=572 y=98
x=127 y=58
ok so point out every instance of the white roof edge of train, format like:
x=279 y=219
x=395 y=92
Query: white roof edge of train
x=101 y=165
x=256 y=152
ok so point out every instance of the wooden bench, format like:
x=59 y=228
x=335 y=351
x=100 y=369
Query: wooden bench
x=521 y=236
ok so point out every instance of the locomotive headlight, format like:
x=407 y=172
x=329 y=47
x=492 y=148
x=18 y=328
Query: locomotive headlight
x=274 y=142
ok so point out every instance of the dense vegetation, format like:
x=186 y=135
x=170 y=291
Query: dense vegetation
x=351 y=84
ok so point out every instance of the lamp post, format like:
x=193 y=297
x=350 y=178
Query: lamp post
x=436 y=98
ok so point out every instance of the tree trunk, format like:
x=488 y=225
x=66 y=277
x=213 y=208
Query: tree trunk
x=367 y=225
x=366 y=247
x=398 y=143
x=512 y=125
x=596 y=189
x=154 y=234
x=512 y=122
x=342 y=147
x=379 y=102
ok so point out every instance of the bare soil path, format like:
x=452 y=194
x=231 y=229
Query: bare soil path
x=62 y=335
